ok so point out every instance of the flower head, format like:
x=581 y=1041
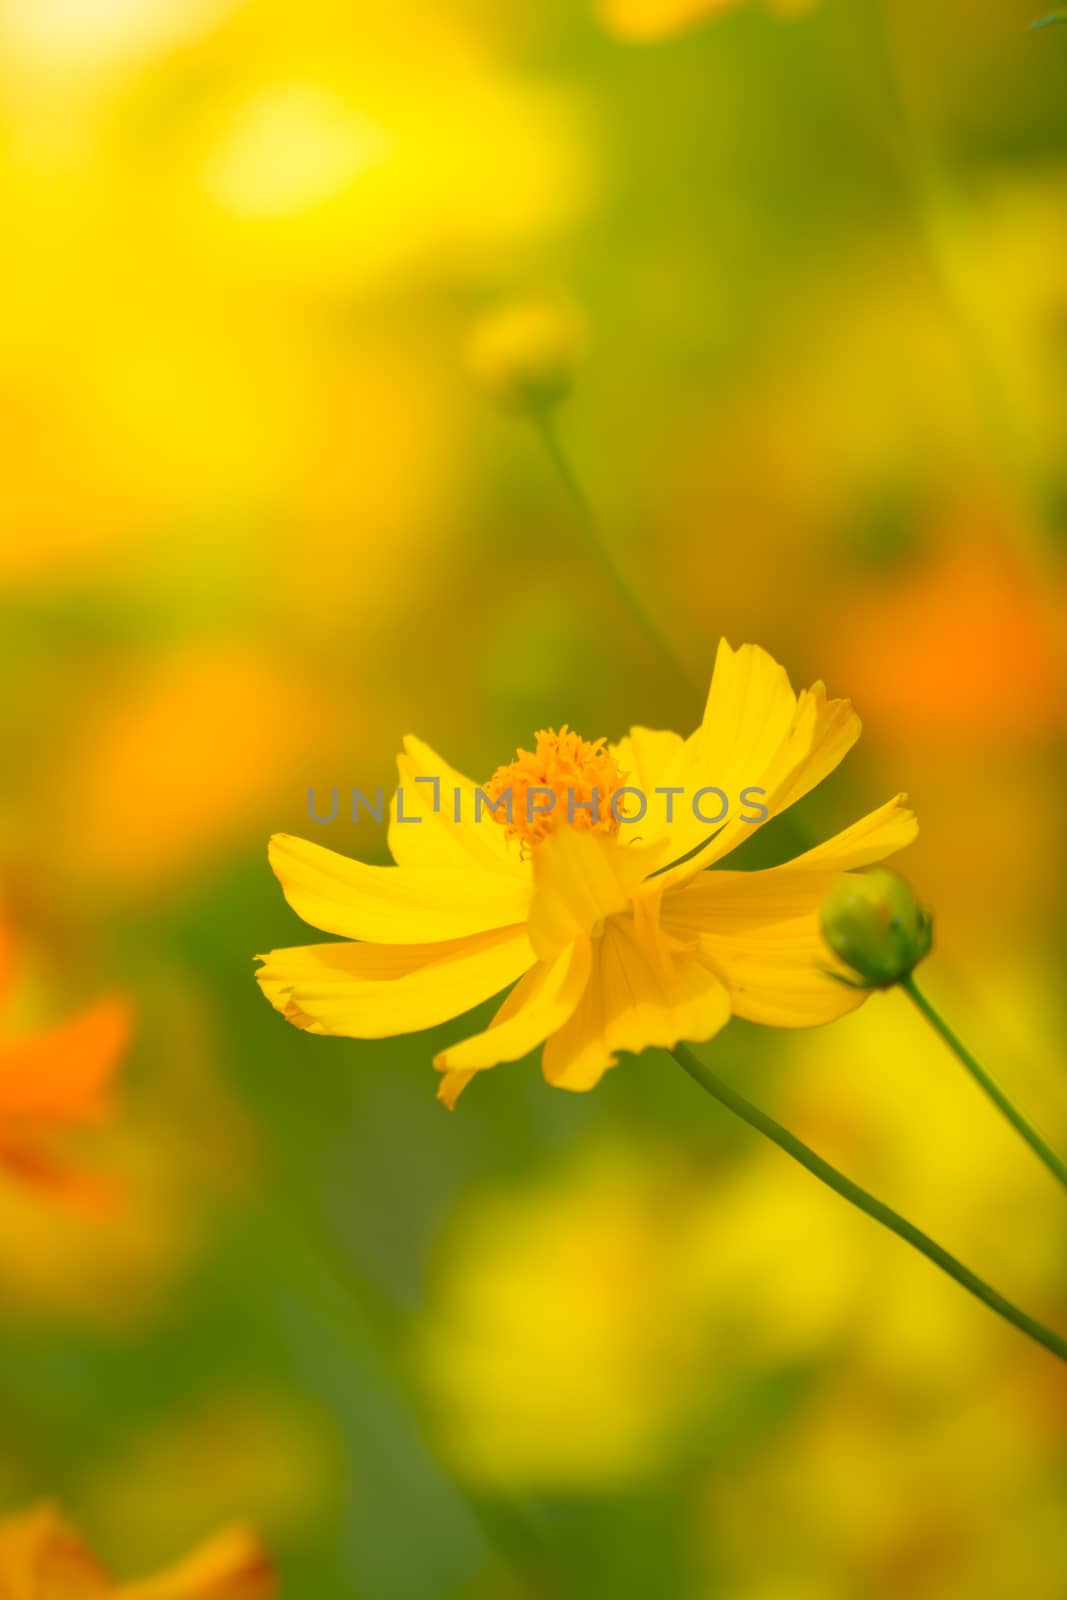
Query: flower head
x=524 y=355
x=43 y=1558
x=565 y=781
x=608 y=939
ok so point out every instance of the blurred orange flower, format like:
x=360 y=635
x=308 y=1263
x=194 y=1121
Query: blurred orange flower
x=181 y=1149
x=171 y=758
x=42 y=1558
x=934 y=621
x=52 y=1081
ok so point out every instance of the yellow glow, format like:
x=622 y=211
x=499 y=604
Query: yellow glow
x=80 y=31
x=651 y=19
x=657 y=19
x=290 y=147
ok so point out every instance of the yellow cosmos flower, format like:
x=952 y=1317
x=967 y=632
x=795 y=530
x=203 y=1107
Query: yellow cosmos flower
x=614 y=939
x=42 y=1558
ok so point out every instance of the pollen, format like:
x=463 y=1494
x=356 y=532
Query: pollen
x=565 y=781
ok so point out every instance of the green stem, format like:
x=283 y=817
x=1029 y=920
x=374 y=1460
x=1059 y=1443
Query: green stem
x=544 y=421
x=721 y=1091
x=1042 y=1151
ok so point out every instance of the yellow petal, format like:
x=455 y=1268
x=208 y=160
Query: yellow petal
x=645 y=753
x=749 y=712
x=651 y=758
x=434 y=837
x=757 y=734
x=581 y=879
x=640 y=993
x=879 y=834
x=760 y=930
x=452 y=1086
x=393 y=905
x=783 y=984
x=370 y=991
x=42 y=1557
x=536 y=1007
x=232 y=1566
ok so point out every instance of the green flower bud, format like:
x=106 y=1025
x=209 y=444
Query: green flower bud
x=524 y=355
x=873 y=921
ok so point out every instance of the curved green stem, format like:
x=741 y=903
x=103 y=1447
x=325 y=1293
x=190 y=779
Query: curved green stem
x=802 y=1153
x=544 y=421
x=1042 y=1151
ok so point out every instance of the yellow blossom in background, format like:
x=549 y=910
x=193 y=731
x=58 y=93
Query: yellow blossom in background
x=866 y=1494
x=619 y=946
x=1002 y=256
x=658 y=19
x=524 y=353
x=561 y=1344
x=579 y=1326
x=68 y=35
x=342 y=154
x=43 y=1558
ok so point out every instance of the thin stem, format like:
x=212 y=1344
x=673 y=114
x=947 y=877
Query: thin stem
x=721 y=1091
x=544 y=421
x=1042 y=1151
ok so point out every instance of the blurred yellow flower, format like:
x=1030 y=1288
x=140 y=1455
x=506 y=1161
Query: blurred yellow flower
x=657 y=19
x=51 y=1082
x=616 y=946
x=43 y=1558
x=523 y=354
x=69 y=34
x=348 y=153
x=865 y=1495
x=582 y=1328
x=565 y=1343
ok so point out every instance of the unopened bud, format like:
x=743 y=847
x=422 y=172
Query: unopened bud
x=873 y=921
x=524 y=355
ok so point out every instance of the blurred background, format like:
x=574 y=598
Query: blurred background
x=257 y=524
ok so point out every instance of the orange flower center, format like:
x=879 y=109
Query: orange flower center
x=565 y=781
